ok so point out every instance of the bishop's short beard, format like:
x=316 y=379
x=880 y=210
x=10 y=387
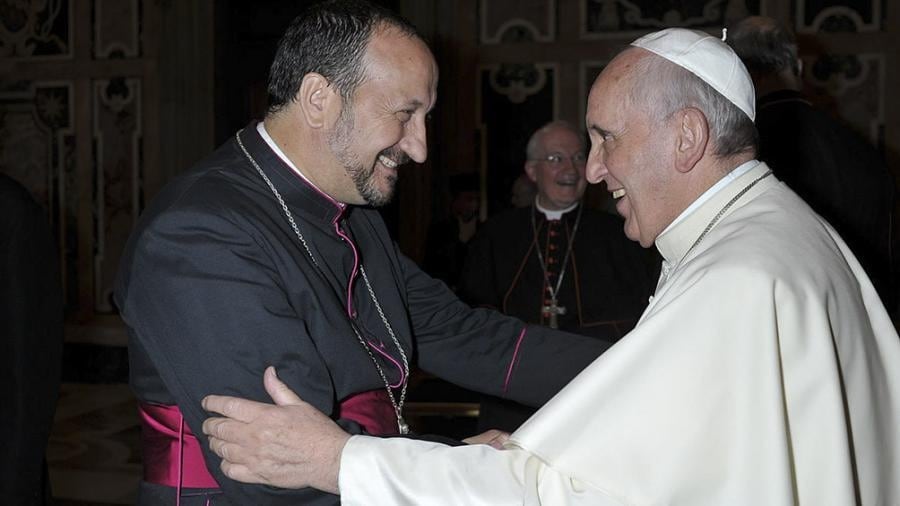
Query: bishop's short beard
x=339 y=141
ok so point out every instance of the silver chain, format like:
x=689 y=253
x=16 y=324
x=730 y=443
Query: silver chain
x=398 y=406
x=721 y=212
x=715 y=220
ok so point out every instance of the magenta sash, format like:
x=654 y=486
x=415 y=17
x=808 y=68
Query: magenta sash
x=172 y=454
x=373 y=410
x=173 y=457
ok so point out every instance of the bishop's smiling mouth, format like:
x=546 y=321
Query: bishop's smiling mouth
x=565 y=182
x=617 y=194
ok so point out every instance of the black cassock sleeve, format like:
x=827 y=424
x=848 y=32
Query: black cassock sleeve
x=485 y=351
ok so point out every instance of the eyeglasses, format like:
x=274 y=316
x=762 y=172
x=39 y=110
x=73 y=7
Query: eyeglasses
x=557 y=159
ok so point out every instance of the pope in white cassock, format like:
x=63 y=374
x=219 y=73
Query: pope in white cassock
x=765 y=370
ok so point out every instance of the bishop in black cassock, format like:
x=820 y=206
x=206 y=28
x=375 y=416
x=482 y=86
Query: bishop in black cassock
x=269 y=252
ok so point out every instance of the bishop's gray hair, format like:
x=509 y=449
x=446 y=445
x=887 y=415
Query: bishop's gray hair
x=663 y=88
x=534 y=142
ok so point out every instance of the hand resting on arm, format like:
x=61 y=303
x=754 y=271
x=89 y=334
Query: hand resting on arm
x=289 y=444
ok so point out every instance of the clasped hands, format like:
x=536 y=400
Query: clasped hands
x=289 y=444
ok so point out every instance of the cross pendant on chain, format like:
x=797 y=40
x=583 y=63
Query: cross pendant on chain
x=552 y=311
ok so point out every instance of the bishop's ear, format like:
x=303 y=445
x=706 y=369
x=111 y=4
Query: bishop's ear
x=693 y=137
x=319 y=102
x=531 y=170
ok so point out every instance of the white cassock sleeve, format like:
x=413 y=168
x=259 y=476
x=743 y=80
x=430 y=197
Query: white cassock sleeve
x=400 y=471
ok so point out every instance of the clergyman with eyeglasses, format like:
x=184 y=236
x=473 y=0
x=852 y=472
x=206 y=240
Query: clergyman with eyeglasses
x=556 y=262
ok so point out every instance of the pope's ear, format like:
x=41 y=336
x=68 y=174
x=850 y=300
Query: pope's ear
x=692 y=138
x=319 y=103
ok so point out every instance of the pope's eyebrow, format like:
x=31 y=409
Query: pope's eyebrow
x=415 y=104
x=600 y=131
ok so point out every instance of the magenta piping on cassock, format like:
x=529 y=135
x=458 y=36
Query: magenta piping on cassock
x=393 y=361
x=512 y=362
x=353 y=274
x=355 y=270
x=341 y=208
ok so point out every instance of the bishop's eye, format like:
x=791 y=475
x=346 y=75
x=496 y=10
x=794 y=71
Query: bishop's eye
x=554 y=158
x=404 y=116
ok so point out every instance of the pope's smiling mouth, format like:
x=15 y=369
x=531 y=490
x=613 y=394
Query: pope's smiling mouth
x=387 y=162
x=617 y=194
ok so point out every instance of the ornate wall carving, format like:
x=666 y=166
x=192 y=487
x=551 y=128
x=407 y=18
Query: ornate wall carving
x=116 y=30
x=852 y=87
x=589 y=70
x=37 y=144
x=516 y=99
x=117 y=178
x=35 y=29
x=511 y=21
x=35 y=120
x=605 y=18
x=832 y=16
x=850 y=83
x=75 y=139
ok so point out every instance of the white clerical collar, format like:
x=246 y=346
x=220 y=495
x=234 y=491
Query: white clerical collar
x=552 y=214
x=261 y=128
x=678 y=239
x=735 y=173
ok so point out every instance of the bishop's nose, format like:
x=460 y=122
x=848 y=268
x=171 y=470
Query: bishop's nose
x=415 y=140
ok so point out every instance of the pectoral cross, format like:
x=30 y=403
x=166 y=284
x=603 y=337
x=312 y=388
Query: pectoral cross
x=552 y=311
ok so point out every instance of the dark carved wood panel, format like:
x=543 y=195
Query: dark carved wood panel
x=36 y=29
x=515 y=101
x=618 y=17
x=116 y=29
x=73 y=131
x=833 y=16
x=117 y=135
x=852 y=88
x=512 y=21
x=37 y=144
